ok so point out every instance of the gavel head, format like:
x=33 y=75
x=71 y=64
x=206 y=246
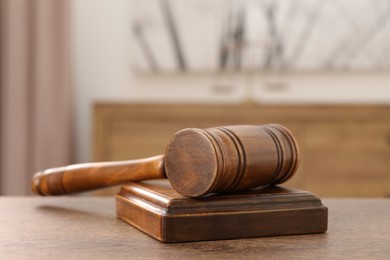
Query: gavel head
x=231 y=158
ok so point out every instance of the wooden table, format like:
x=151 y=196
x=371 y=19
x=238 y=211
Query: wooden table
x=85 y=227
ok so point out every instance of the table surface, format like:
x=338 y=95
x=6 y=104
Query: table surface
x=87 y=227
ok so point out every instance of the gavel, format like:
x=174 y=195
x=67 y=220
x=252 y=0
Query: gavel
x=196 y=162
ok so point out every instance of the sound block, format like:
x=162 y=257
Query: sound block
x=157 y=209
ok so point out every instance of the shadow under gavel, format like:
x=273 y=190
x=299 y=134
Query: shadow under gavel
x=196 y=162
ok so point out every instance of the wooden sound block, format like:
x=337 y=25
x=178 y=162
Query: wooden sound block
x=157 y=209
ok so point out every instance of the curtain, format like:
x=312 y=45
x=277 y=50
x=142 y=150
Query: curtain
x=36 y=94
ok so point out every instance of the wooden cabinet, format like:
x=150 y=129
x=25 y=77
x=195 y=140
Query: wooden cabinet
x=345 y=150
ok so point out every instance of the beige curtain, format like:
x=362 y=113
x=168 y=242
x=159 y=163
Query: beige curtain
x=35 y=78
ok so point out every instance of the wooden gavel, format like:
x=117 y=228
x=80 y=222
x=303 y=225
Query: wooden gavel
x=196 y=162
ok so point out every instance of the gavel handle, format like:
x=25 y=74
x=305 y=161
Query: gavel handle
x=90 y=176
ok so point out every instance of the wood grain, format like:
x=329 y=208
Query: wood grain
x=196 y=162
x=90 y=176
x=230 y=158
x=87 y=228
x=344 y=149
x=157 y=209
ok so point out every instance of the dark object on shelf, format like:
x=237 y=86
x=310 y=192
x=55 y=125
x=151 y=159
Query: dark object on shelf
x=174 y=35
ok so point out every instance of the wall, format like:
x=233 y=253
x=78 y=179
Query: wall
x=102 y=57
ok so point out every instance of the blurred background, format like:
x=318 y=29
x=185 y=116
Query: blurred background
x=101 y=80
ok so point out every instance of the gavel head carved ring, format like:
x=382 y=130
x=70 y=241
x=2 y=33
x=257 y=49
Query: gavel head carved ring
x=196 y=162
x=224 y=159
